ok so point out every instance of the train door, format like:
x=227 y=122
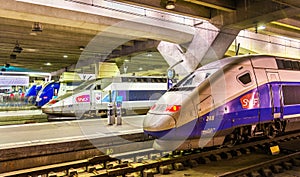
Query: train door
x=275 y=98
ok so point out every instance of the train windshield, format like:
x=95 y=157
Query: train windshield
x=84 y=86
x=193 y=80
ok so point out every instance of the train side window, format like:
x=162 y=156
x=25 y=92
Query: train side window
x=295 y=65
x=280 y=64
x=291 y=94
x=244 y=78
x=287 y=64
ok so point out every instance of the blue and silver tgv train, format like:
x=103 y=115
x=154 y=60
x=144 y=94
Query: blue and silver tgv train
x=228 y=101
x=54 y=89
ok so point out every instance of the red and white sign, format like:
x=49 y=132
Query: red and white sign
x=250 y=100
x=83 y=99
x=98 y=98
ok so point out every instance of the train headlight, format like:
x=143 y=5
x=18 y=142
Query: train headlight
x=53 y=101
x=153 y=107
x=173 y=108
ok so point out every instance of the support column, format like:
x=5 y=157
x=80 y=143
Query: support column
x=209 y=44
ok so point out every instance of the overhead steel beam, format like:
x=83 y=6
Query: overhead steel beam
x=181 y=7
x=283 y=29
x=139 y=46
x=249 y=14
x=291 y=3
x=223 y=5
x=288 y=23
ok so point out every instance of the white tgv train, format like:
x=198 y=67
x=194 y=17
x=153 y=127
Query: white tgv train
x=137 y=94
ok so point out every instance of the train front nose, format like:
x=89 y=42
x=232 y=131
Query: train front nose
x=158 y=125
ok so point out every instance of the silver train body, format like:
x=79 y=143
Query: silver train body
x=226 y=102
x=136 y=94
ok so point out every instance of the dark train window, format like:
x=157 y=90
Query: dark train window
x=245 y=78
x=97 y=87
x=287 y=64
x=291 y=94
x=295 y=65
x=280 y=64
x=144 y=95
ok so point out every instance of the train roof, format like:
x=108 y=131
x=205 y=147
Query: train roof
x=230 y=60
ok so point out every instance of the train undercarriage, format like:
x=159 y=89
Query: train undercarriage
x=244 y=133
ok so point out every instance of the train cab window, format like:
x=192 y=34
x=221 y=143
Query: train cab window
x=89 y=87
x=97 y=87
x=245 y=78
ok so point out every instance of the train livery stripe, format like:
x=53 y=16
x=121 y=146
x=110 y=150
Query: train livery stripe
x=291 y=116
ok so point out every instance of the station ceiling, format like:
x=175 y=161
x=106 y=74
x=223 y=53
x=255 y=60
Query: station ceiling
x=61 y=42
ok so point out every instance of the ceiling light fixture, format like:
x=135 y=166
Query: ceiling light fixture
x=65 y=56
x=149 y=54
x=261 y=27
x=17 y=48
x=81 y=48
x=170 y=4
x=37 y=27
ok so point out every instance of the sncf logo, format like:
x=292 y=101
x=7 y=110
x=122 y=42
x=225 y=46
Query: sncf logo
x=83 y=98
x=250 y=100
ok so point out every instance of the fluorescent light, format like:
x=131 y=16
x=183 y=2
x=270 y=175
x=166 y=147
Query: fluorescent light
x=170 y=5
x=261 y=27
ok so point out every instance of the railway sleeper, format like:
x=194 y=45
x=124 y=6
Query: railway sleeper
x=148 y=173
x=266 y=172
x=91 y=169
x=164 y=170
x=296 y=162
x=73 y=173
x=178 y=166
x=193 y=163
x=215 y=157
x=204 y=160
x=287 y=165
x=277 y=169
x=226 y=155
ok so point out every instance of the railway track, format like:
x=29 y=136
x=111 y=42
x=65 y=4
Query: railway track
x=149 y=162
x=269 y=167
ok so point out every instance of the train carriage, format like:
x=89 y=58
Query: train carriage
x=228 y=101
x=137 y=94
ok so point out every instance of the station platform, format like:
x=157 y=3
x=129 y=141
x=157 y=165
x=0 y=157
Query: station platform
x=30 y=115
x=56 y=132
x=32 y=145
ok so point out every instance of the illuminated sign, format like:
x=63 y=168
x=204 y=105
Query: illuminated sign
x=14 y=80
